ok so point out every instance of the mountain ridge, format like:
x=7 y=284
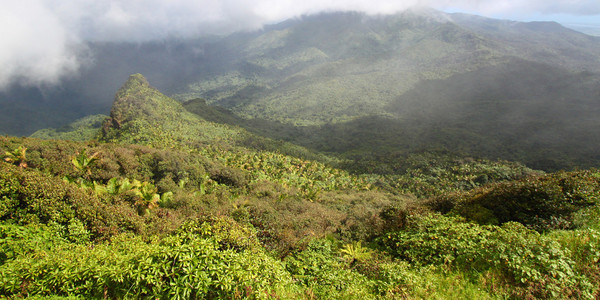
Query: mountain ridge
x=221 y=67
x=186 y=200
x=392 y=54
x=323 y=72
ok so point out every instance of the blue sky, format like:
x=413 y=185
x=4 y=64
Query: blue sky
x=576 y=20
x=589 y=24
x=44 y=41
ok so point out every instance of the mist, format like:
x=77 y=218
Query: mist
x=45 y=41
x=36 y=49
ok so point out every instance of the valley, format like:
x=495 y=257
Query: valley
x=333 y=156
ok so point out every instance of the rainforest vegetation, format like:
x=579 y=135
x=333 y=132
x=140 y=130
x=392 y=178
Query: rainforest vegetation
x=156 y=201
x=421 y=155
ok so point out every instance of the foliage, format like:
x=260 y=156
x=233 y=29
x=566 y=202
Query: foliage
x=542 y=202
x=84 y=129
x=147 y=196
x=180 y=266
x=30 y=197
x=17 y=241
x=584 y=245
x=324 y=274
x=309 y=177
x=533 y=264
x=429 y=174
x=84 y=162
x=190 y=184
x=17 y=157
x=355 y=252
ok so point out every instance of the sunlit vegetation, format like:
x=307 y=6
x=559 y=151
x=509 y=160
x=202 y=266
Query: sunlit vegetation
x=17 y=157
x=168 y=205
x=84 y=129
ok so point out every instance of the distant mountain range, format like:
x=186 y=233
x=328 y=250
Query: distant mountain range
x=589 y=29
x=422 y=79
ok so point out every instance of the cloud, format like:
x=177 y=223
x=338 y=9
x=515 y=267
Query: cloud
x=36 y=48
x=44 y=40
x=141 y=20
x=520 y=7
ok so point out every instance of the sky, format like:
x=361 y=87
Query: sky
x=44 y=41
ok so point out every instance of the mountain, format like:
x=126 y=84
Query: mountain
x=337 y=156
x=141 y=114
x=524 y=111
x=333 y=68
x=164 y=203
x=311 y=70
x=417 y=80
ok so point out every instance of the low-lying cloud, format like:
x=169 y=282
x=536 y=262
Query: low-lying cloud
x=44 y=40
x=36 y=47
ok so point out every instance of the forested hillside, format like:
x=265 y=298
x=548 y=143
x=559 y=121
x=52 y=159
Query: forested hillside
x=362 y=86
x=420 y=155
x=420 y=80
x=163 y=203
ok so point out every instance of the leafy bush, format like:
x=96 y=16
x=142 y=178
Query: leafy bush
x=29 y=196
x=324 y=274
x=543 y=202
x=17 y=241
x=533 y=264
x=584 y=245
x=185 y=265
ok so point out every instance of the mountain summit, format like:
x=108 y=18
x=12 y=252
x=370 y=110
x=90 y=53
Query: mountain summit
x=142 y=114
x=336 y=67
x=137 y=98
x=312 y=70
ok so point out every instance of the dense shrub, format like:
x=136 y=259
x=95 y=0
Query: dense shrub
x=531 y=263
x=16 y=240
x=543 y=202
x=427 y=174
x=287 y=225
x=325 y=275
x=185 y=265
x=29 y=196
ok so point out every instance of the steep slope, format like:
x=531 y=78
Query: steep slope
x=543 y=42
x=311 y=70
x=534 y=113
x=141 y=114
x=335 y=67
x=523 y=111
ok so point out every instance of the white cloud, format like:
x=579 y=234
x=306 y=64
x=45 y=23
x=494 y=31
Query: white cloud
x=42 y=39
x=522 y=7
x=36 y=48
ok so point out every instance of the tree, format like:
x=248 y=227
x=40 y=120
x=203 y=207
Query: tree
x=356 y=252
x=84 y=163
x=17 y=156
x=148 y=198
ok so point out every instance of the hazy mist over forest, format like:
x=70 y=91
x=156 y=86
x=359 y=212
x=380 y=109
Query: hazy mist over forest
x=343 y=149
x=320 y=66
x=51 y=43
